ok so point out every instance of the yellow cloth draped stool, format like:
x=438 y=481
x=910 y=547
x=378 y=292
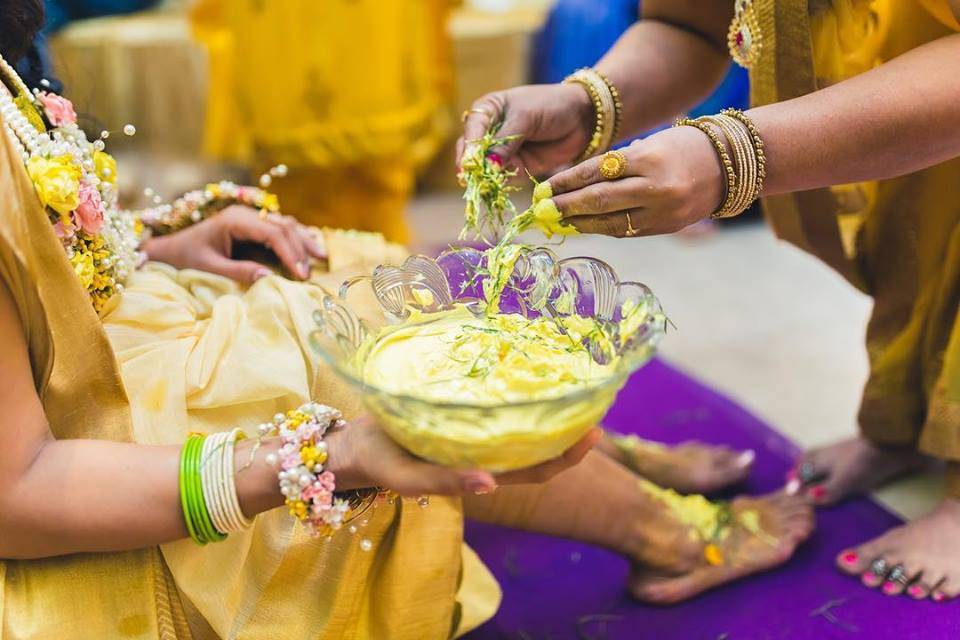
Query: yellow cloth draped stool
x=352 y=96
x=898 y=239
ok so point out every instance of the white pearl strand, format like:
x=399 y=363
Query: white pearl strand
x=118 y=231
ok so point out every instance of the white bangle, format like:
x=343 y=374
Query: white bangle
x=219 y=482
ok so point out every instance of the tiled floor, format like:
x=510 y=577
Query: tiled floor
x=761 y=321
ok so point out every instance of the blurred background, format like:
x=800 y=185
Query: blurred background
x=361 y=100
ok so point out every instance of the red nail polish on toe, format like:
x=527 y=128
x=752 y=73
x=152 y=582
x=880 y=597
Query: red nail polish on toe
x=939 y=597
x=850 y=557
x=869 y=579
x=817 y=492
x=889 y=588
x=915 y=591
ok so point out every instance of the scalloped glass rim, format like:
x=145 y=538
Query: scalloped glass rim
x=393 y=286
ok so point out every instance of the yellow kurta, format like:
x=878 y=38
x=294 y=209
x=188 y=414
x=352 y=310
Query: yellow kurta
x=352 y=96
x=197 y=352
x=898 y=240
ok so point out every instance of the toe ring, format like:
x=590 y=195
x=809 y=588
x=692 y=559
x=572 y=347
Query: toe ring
x=898 y=575
x=879 y=567
x=806 y=472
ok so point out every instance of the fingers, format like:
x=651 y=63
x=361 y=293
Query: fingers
x=416 y=477
x=624 y=224
x=313 y=241
x=486 y=111
x=245 y=271
x=281 y=238
x=604 y=197
x=546 y=470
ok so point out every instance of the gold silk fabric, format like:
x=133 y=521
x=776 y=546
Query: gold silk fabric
x=353 y=95
x=196 y=352
x=899 y=239
x=115 y=595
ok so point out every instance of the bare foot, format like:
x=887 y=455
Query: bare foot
x=848 y=468
x=919 y=558
x=688 y=545
x=691 y=467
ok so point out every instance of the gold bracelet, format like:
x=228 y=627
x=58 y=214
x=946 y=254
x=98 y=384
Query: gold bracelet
x=744 y=157
x=617 y=106
x=757 y=144
x=725 y=208
x=604 y=108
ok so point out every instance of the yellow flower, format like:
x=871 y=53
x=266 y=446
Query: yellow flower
x=270 y=202
x=84 y=268
x=105 y=166
x=549 y=220
x=57 y=181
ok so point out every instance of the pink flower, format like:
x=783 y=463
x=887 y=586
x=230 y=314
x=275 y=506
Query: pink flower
x=59 y=110
x=89 y=213
x=326 y=480
x=62 y=231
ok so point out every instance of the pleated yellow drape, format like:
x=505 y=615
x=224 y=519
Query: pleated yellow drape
x=352 y=95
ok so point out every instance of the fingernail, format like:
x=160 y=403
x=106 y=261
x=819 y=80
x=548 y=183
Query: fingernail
x=915 y=591
x=480 y=487
x=495 y=158
x=939 y=597
x=889 y=588
x=304 y=268
x=817 y=492
x=793 y=487
x=850 y=557
x=260 y=273
x=746 y=458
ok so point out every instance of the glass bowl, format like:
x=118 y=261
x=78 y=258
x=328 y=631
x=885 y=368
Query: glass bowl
x=503 y=436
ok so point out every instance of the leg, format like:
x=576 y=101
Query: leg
x=690 y=467
x=679 y=545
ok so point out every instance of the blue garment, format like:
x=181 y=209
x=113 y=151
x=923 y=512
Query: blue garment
x=61 y=12
x=579 y=32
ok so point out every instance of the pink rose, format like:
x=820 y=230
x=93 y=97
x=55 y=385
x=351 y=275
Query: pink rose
x=89 y=213
x=59 y=110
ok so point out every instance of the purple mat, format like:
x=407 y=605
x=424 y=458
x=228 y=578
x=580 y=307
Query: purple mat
x=555 y=589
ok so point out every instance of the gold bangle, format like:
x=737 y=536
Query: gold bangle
x=617 y=106
x=757 y=144
x=595 y=140
x=725 y=209
x=604 y=107
x=744 y=158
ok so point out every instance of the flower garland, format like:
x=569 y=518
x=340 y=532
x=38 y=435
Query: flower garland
x=196 y=206
x=75 y=180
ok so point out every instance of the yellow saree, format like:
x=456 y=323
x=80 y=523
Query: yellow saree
x=352 y=96
x=898 y=240
x=196 y=352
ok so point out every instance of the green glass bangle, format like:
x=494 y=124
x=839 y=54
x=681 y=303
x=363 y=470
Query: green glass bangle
x=184 y=499
x=202 y=521
x=193 y=496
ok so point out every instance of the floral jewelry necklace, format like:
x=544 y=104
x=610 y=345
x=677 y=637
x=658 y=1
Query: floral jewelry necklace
x=75 y=180
x=744 y=38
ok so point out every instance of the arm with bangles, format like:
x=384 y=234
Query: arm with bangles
x=59 y=497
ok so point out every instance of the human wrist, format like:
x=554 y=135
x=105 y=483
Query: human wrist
x=256 y=480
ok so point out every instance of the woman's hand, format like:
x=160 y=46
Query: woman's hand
x=208 y=245
x=555 y=122
x=673 y=179
x=362 y=455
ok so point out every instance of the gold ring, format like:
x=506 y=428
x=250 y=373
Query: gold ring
x=467 y=112
x=613 y=164
x=630 y=232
